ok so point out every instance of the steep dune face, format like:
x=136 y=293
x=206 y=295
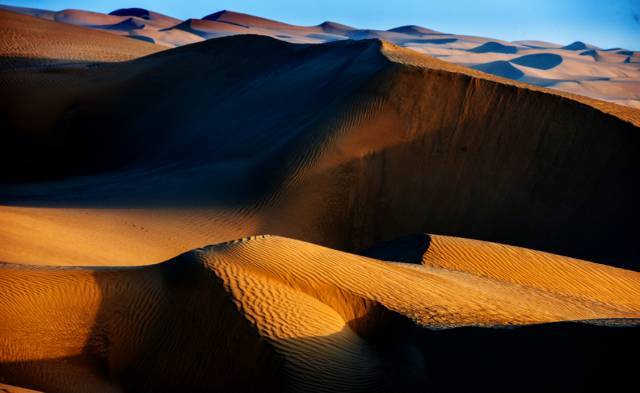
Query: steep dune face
x=454 y=155
x=297 y=317
x=222 y=88
x=402 y=143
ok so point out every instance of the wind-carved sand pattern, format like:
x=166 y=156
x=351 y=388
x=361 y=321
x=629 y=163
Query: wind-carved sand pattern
x=317 y=318
x=138 y=181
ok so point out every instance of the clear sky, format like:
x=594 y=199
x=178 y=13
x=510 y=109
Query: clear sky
x=606 y=23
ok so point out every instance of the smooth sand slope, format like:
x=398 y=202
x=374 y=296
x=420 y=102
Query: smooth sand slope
x=31 y=41
x=608 y=74
x=300 y=317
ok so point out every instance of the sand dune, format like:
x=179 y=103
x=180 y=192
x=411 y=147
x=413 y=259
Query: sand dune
x=117 y=154
x=287 y=158
x=494 y=47
x=305 y=318
x=414 y=30
x=245 y=20
x=500 y=68
x=578 y=45
x=543 y=61
x=30 y=41
x=480 y=53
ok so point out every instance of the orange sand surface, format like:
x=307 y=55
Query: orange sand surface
x=139 y=177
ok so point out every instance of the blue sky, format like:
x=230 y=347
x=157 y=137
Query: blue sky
x=606 y=23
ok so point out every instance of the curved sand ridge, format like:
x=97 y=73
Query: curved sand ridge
x=304 y=318
x=479 y=167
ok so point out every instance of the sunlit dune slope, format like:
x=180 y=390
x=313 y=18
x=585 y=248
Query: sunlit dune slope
x=344 y=144
x=563 y=276
x=31 y=41
x=301 y=317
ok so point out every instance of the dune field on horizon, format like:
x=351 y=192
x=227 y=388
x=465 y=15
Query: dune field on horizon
x=234 y=203
x=610 y=74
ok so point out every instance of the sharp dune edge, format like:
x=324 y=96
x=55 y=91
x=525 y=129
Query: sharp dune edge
x=130 y=154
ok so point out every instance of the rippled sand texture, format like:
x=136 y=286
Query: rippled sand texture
x=128 y=171
x=277 y=313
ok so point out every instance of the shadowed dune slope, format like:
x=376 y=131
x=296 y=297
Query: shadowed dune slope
x=543 y=61
x=139 y=12
x=300 y=317
x=31 y=41
x=503 y=69
x=578 y=45
x=414 y=30
x=489 y=47
x=361 y=141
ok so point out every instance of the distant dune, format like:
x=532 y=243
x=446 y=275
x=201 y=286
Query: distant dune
x=542 y=61
x=143 y=158
x=500 y=68
x=610 y=75
x=35 y=42
x=494 y=47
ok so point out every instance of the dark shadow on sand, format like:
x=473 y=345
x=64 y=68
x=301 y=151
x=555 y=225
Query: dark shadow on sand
x=541 y=61
x=494 y=47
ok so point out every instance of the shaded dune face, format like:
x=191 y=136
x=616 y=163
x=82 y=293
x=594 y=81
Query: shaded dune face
x=494 y=47
x=542 y=61
x=360 y=141
x=139 y=12
x=300 y=317
x=503 y=69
